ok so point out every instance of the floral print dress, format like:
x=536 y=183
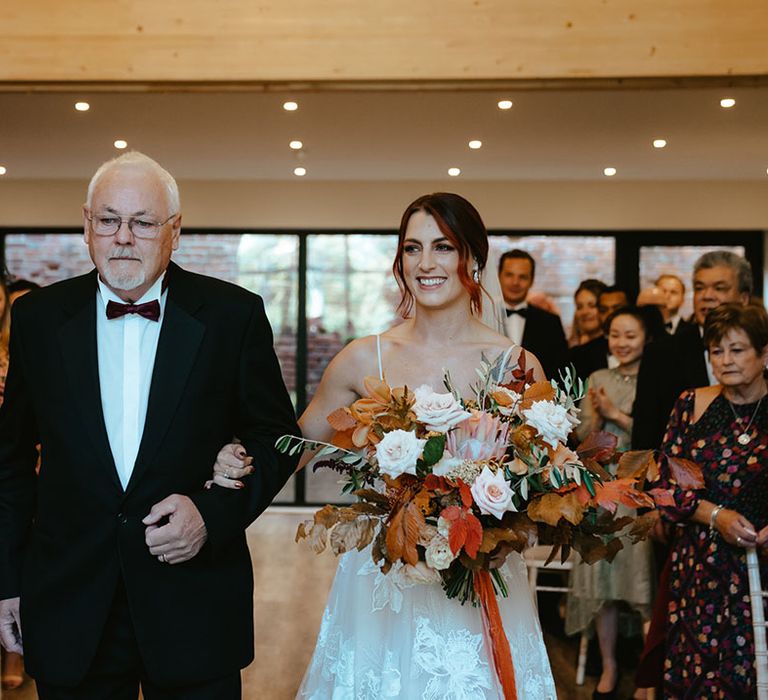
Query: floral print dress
x=709 y=648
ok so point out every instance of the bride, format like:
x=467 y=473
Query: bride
x=393 y=636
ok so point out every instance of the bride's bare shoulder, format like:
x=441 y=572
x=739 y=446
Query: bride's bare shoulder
x=357 y=358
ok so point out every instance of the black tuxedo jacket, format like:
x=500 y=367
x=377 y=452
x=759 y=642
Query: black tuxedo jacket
x=70 y=534
x=670 y=365
x=589 y=357
x=543 y=336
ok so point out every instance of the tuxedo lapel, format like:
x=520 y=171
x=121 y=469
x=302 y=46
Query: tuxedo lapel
x=177 y=347
x=77 y=339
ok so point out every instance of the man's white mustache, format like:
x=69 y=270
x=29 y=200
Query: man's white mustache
x=123 y=254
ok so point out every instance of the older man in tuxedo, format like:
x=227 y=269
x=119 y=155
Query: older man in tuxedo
x=117 y=568
x=535 y=329
x=667 y=368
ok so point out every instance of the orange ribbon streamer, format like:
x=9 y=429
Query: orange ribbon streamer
x=494 y=629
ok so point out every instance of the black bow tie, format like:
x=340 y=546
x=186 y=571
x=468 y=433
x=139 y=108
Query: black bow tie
x=519 y=312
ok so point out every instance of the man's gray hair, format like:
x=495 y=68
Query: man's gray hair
x=724 y=258
x=137 y=159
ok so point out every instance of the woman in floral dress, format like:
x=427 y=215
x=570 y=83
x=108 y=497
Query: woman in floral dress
x=724 y=429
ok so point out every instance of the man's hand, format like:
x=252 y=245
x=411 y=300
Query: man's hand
x=179 y=539
x=10 y=625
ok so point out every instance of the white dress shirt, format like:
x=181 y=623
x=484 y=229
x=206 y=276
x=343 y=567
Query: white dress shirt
x=514 y=326
x=126 y=353
x=710 y=373
x=675 y=322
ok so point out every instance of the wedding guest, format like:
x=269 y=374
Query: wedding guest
x=11 y=663
x=724 y=429
x=586 y=319
x=603 y=593
x=594 y=354
x=718 y=277
x=673 y=289
x=19 y=287
x=531 y=327
x=111 y=555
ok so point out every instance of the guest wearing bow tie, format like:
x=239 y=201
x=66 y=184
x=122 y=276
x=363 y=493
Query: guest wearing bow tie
x=538 y=331
x=131 y=378
x=673 y=289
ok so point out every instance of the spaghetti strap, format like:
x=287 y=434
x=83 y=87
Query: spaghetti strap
x=504 y=360
x=378 y=354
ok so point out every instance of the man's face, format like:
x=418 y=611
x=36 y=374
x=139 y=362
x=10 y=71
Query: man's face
x=714 y=286
x=515 y=278
x=609 y=302
x=128 y=265
x=673 y=292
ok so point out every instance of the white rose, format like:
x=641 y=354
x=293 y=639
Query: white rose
x=492 y=493
x=438 y=412
x=446 y=464
x=438 y=554
x=398 y=451
x=552 y=421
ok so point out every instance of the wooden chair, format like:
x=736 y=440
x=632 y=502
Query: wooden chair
x=534 y=559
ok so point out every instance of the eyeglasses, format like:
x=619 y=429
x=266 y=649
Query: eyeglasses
x=109 y=225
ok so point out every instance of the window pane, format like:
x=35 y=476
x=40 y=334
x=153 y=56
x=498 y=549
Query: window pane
x=350 y=293
x=675 y=260
x=562 y=262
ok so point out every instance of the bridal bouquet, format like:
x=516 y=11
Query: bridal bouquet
x=463 y=481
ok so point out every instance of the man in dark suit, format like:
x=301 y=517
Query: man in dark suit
x=594 y=355
x=537 y=330
x=673 y=289
x=668 y=369
x=115 y=563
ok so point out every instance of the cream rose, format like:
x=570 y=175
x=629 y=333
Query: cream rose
x=420 y=574
x=551 y=420
x=438 y=412
x=398 y=451
x=492 y=493
x=438 y=554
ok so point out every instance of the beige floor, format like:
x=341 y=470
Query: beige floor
x=291 y=584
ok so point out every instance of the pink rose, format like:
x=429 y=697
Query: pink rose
x=492 y=493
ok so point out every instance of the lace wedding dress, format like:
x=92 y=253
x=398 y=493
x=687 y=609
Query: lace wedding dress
x=393 y=637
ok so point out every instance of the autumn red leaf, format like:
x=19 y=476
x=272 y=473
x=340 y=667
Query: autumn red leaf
x=611 y=493
x=687 y=474
x=599 y=446
x=403 y=534
x=440 y=484
x=466 y=494
x=464 y=530
x=540 y=391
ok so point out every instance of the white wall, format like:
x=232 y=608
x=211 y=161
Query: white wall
x=611 y=205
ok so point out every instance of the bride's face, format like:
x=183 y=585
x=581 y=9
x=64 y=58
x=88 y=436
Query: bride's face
x=430 y=263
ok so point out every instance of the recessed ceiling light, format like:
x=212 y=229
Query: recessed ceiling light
x=82 y=106
x=290 y=106
x=296 y=145
x=609 y=172
x=475 y=144
x=505 y=104
x=300 y=172
x=454 y=172
x=659 y=143
x=727 y=102
x=121 y=144
x=3 y=170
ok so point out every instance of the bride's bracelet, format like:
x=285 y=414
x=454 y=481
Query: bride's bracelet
x=713 y=518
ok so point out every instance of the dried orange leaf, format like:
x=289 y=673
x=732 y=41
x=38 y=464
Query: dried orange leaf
x=377 y=389
x=546 y=509
x=540 y=391
x=341 y=420
x=355 y=534
x=635 y=464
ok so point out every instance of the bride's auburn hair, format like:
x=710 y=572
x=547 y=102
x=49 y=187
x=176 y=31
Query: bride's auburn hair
x=461 y=224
